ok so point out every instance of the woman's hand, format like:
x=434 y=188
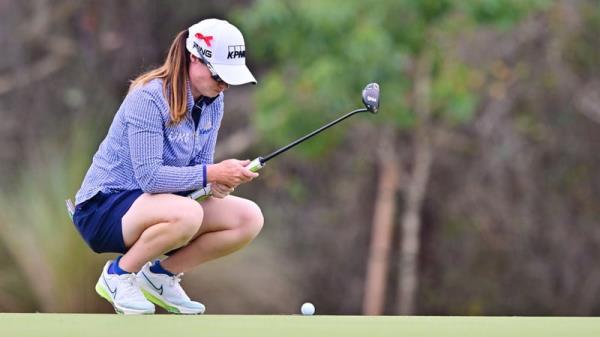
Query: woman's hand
x=230 y=172
x=220 y=191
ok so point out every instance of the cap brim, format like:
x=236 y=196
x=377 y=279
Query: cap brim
x=234 y=74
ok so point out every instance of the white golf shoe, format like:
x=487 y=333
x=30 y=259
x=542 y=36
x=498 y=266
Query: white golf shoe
x=123 y=292
x=166 y=292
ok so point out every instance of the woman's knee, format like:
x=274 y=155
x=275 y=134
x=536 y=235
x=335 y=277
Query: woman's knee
x=187 y=219
x=251 y=220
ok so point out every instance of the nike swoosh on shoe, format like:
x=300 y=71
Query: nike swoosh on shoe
x=113 y=292
x=160 y=290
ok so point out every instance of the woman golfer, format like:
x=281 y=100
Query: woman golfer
x=159 y=147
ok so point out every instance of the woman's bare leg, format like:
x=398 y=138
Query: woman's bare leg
x=158 y=223
x=228 y=225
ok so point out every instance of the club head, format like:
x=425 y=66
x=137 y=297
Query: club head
x=370 y=97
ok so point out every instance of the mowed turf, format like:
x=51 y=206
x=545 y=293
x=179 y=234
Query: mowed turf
x=91 y=325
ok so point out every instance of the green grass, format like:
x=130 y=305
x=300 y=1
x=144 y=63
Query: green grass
x=91 y=325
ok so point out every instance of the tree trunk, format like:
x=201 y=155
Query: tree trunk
x=414 y=194
x=383 y=222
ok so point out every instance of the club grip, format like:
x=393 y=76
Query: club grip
x=205 y=192
x=255 y=165
x=201 y=194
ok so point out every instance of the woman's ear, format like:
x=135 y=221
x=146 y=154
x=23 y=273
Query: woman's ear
x=193 y=58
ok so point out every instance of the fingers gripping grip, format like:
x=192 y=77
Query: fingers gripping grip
x=205 y=192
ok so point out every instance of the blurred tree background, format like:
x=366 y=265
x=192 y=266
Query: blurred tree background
x=472 y=192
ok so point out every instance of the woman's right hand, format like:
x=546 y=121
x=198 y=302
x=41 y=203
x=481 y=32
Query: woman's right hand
x=230 y=172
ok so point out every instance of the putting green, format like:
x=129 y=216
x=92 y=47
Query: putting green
x=91 y=325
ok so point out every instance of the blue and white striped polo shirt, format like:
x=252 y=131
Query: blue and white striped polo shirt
x=143 y=150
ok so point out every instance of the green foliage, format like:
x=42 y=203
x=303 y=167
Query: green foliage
x=503 y=13
x=453 y=92
x=320 y=54
x=40 y=238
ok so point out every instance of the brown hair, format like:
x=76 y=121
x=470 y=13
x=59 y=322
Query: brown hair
x=174 y=73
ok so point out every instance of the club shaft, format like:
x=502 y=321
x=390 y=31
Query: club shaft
x=319 y=130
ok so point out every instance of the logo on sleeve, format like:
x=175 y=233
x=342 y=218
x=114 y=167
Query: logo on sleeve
x=180 y=137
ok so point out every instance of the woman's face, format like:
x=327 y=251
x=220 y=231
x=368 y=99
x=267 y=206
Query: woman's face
x=201 y=80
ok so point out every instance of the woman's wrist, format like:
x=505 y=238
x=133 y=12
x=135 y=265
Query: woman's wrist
x=211 y=173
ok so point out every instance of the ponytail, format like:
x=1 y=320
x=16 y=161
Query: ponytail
x=174 y=73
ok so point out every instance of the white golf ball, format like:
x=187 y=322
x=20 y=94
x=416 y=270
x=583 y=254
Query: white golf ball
x=307 y=308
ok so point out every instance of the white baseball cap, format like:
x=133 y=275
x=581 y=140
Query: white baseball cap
x=222 y=45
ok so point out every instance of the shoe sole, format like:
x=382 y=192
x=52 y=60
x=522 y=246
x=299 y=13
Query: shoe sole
x=101 y=290
x=174 y=309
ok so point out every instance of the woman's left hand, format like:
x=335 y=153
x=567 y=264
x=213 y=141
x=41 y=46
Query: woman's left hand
x=220 y=191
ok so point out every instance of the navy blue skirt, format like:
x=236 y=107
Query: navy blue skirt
x=98 y=220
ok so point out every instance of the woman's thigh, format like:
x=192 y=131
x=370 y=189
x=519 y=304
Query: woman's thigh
x=151 y=209
x=229 y=213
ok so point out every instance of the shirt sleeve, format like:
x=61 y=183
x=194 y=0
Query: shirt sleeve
x=207 y=155
x=146 y=132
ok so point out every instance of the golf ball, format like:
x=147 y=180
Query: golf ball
x=307 y=308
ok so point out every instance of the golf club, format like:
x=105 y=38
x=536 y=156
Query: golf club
x=370 y=98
